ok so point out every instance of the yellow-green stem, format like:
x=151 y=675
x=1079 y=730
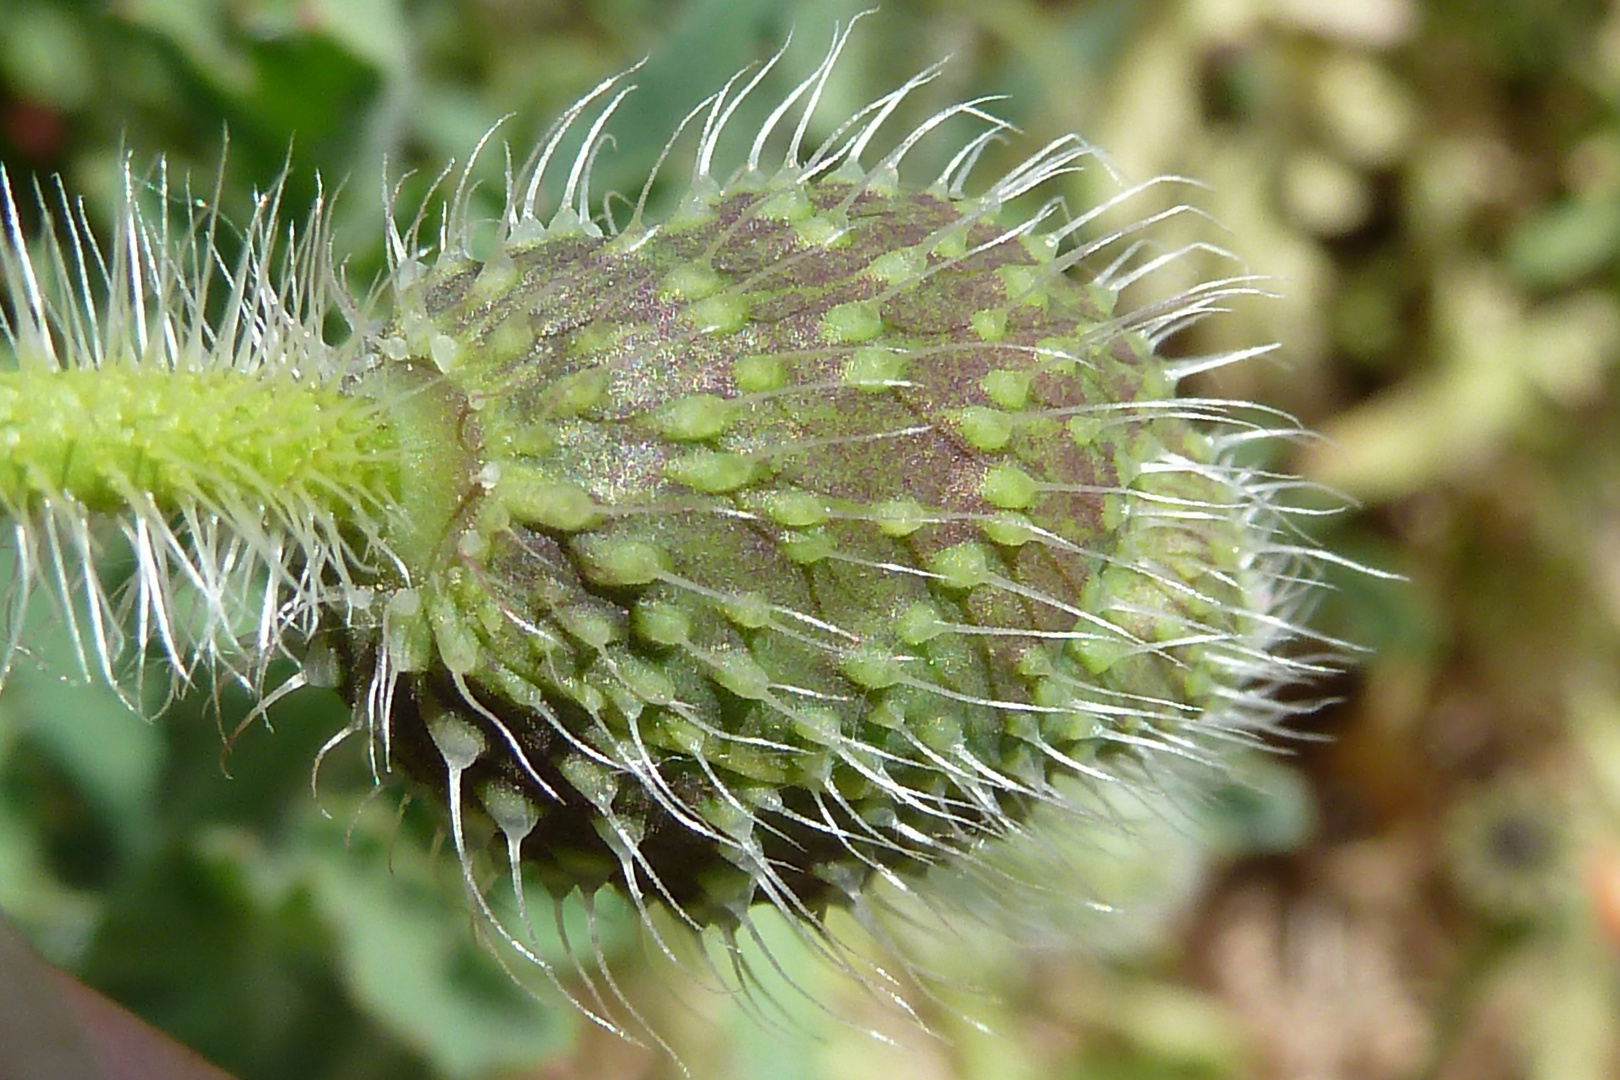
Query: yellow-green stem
x=182 y=438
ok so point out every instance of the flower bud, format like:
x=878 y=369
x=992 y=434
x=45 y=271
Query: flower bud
x=814 y=535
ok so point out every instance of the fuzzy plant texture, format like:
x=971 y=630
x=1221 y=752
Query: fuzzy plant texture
x=799 y=543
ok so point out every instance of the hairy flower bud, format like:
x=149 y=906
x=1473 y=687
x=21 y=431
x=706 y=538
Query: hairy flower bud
x=815 y=534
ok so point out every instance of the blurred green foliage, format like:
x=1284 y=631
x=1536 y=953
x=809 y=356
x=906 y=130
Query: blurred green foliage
x=1434 y=190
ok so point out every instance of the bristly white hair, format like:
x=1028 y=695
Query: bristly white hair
x=227 y=565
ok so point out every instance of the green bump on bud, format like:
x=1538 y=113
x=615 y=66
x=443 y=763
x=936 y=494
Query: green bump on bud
x=872 y=667
x=713 y=472
x=583 y=694
x=852 y=323
x=962 y=566
x=495 y=279
x=1098 y=653
x=990 y=324
x=1010 y=529
x=443 y=350
x=749 y=610
x=875 y=369
x=1083 y=430
x=722 y=313
x=691 y=281
x=511 y=338
x=742 y=675
x=458 y=742
x=919 y=623
x=532 y=497
x=1034 y=663
x=594 y=337
x=512 y=812
x=795 y=509
x=417 y=330
x=644 y=679
x=661 y=623
x=759 y=374
x=1061 y=354
x=941 y=732
x=579 y=393
x=695 y=418
x=1069 y=728
x=590 y=626
x=818 y=725
x=888 y=712
x=735 y=820
x=473 y=545
x=822 y=231
x=1009 y=487
x=1156 y=380
x=1049 y=692
x=1008 y=389
x=899 y=266
x=674 y=732
x=591 y=779
x=694 y=213
x=984 y=428
x=900 y=517
x=808 y=547
x=610 y=561
x=1115 y=512
x=953 y=244
x=1026 y=284
x=750 y=762
x=790 y=205
x=457 y=645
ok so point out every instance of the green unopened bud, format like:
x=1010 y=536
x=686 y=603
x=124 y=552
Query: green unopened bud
x=827 y=479
x=814 y=535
